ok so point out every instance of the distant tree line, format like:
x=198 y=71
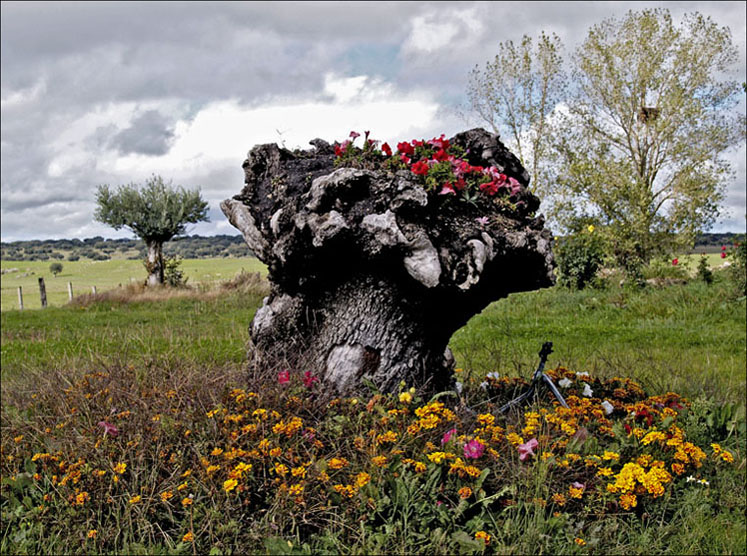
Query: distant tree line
x=100 y=249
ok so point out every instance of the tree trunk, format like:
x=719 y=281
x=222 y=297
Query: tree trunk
x=370 y=273
x=154 y=263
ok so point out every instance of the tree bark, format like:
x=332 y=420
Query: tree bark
x=154 y=263
x=371 y=274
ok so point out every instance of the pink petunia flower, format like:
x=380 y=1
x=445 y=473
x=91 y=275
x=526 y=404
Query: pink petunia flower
x=527 y=449
x=284 y=377
x=447 y=436
x=473 y=449
x=447 y=189
x=309 y=379
x=354 y=135
x=109 y=428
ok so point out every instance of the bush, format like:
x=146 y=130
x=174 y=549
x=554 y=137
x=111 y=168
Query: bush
x=55 y=268
x=173 y=275
x=738 y=269
x=704 y=270
x=72 y=257
x=578 y=259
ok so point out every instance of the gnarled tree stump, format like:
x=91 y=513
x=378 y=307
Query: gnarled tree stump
x=371 y=274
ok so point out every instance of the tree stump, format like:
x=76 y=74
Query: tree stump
x=370 y=272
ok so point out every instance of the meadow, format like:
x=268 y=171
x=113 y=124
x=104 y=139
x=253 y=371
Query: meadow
x=137 y=427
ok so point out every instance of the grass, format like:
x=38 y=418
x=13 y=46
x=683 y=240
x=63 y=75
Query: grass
x=105 y=275
x=169 y=362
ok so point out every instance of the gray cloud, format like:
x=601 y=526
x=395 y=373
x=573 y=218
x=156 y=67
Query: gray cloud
x=150 y=133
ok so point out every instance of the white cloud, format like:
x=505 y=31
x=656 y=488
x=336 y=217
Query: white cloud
x=222 y=132
x=437 y=30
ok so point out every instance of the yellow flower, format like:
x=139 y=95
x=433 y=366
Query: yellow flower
x=379 y=461
x=559 y=499
x=338 y=463
x=92 y=533
x=276 y=452
x=628 y=501
x=216 y=452
x=575 y=492
x=135 y=499
x=230 y=484
x=388 y=436
x=165 y=495
x=182 y=486
x=465 y=492
x=212 y=469
x=437 y=457
x=18 y=439
x=483 y=536
x=296 y=490
x=486 y=419
x=405 y=397
x=590 y=227
x=614 y=456
x=281 y=469
x=120 y=468
x=186 y=502
x=578 y=540
x=82 y=498
x=347 y=491
x=188 y=537
x=362 y=479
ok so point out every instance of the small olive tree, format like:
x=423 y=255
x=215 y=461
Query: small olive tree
x=55 y=268
x=155 y=213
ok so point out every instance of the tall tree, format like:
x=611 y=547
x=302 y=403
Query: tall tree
x=647 y=122
x=155 y=213
x=516 y=93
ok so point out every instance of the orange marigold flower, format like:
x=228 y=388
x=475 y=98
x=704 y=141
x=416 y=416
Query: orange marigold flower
x=188 y=537
x=165 y=495
x=465 y=492
x=338 y=463
x=628 y=501
x=482 y=536
x=379 y=461
x=92 y=533
x=559 y=499
x=120 y=468
x=362 y=479
x=187 y=501
x=230 y=484
x=135 y=499
x=579 y=541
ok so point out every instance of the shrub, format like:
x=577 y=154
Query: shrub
x=173 y=275
x=704 y=270
x=578 y=258
x=55 y=268
x=738 y=269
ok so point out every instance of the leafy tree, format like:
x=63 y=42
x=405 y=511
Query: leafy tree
x=646 y=125
x=155 y=213
x=55 y=268
x=517 y=93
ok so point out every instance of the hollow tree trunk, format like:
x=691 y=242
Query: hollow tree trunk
x=154 y=263
x=370 y=273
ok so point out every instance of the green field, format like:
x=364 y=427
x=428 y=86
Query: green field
x=105 y=275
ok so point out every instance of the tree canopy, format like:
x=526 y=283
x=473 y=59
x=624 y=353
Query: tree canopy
x=155 y=212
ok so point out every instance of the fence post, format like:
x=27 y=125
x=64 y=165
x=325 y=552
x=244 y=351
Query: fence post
x=42 y=292
x=93 y=289
x=20 y=298
x=70 y=291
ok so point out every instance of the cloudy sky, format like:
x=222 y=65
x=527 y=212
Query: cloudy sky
x=96 y=93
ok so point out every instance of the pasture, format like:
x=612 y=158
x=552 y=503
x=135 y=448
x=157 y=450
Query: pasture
x=161 y=371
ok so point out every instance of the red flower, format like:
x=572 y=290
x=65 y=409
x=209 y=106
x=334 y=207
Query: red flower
x=386 y=149
x=675 y=261
x=309 y=379
x=338 y=150
x=723 y=247
x=460 y=184
x=405 y=148
x=440 y=155
x=723 y=255
x=440 y=142
x=405 y=159
x=490 y=188
x=420 y=168
x=284 y=377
